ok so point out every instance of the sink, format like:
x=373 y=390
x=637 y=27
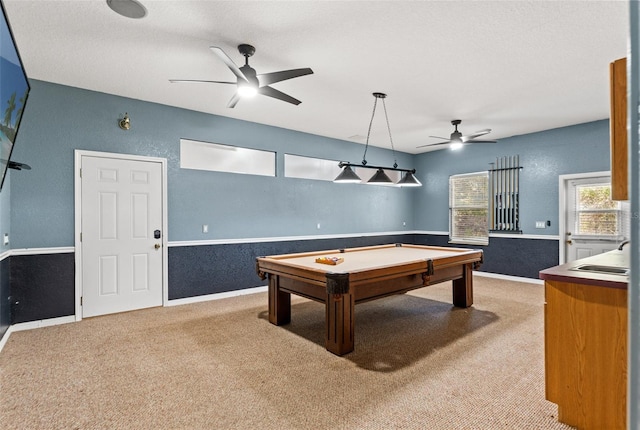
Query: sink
x=611 y=270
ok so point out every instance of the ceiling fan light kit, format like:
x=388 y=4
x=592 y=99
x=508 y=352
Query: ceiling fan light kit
x=248 y=81
x=380 y=177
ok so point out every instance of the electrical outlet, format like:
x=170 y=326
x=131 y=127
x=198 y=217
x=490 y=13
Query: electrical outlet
x=205 y=228
x=6 y=239
x=318 y=226
x=540 y=224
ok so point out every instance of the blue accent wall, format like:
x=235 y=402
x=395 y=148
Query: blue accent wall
x=60 y=119
x=544 y=156
x=39 y=210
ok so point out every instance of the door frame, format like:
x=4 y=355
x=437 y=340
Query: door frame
x=77 y=201
x=563 y=183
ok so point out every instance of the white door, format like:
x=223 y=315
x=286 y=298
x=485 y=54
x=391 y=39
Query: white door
x=594 y=223
x=121 y=225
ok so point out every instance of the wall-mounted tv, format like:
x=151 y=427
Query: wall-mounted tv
x=14 y=90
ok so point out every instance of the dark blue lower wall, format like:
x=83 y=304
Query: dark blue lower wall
x=209 y=269
x=42 y=286
x=5 y=296
x=520 y=257
x=508 y=256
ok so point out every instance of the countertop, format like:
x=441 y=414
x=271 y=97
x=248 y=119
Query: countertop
x=564 y=272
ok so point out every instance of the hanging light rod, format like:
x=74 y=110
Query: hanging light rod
x=348 y=175
x=366 y=166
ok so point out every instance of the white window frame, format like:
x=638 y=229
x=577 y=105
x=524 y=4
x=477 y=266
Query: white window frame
x=475 y=240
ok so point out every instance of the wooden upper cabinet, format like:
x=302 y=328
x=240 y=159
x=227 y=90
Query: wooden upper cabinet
x=618 y=130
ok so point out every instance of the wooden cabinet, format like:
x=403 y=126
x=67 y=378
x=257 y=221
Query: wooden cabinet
x=586 y=354
x=618 y=130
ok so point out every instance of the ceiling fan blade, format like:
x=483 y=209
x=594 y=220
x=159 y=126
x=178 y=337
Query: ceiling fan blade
x=272 y=92
x=271 y=78
x=440 y=137
x=228 y=61
x=476 y=134
x=197 y=81
x=234 y=101
x=434 y=144
x=481 y=141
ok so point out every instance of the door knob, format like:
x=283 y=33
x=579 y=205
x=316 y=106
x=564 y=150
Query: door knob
x=569 y=242
x=157 y=246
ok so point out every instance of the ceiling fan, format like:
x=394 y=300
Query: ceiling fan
x=248 y=82
x=457 y=139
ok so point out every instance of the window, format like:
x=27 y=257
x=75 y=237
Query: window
x=296 y=166
x=468 y=208
x=596 y=214
x=226 y=158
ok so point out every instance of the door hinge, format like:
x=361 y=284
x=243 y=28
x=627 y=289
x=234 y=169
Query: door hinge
x=80 y=300
x=81 y=172
x=80 y=236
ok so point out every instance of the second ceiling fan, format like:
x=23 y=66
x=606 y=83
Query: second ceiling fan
x=248 y=82
x=457 y=139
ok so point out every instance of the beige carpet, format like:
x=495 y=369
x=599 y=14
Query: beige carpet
x=418 y=363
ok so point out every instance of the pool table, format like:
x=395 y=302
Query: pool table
x=362 y=274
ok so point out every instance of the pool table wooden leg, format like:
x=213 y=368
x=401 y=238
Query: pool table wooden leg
x=463 y=288
x=340 y=323
x=279 y=303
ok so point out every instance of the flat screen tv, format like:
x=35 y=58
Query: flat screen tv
x=14 y=90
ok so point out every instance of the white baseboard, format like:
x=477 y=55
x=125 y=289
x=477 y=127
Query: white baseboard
x=509 y=277
x=43 y=323
x=35 y=324
x=216 y=296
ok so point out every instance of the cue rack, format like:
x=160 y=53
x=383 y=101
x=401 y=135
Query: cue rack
x=504 y=177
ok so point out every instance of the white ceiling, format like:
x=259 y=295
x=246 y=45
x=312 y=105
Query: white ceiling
x=513 y=66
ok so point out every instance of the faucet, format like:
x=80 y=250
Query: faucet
x=623 y=244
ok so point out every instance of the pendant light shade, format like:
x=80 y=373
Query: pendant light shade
x=380 y=178
x=408 y=180
x=347 y=176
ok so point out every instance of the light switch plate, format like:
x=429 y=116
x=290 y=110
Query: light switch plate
x=540 y=224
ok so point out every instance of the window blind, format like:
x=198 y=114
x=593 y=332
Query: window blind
x=468 y=208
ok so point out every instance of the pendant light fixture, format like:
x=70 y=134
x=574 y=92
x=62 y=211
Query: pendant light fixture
x=380 y=177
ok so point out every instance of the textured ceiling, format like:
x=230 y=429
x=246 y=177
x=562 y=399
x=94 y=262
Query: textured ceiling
x=513 y=66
